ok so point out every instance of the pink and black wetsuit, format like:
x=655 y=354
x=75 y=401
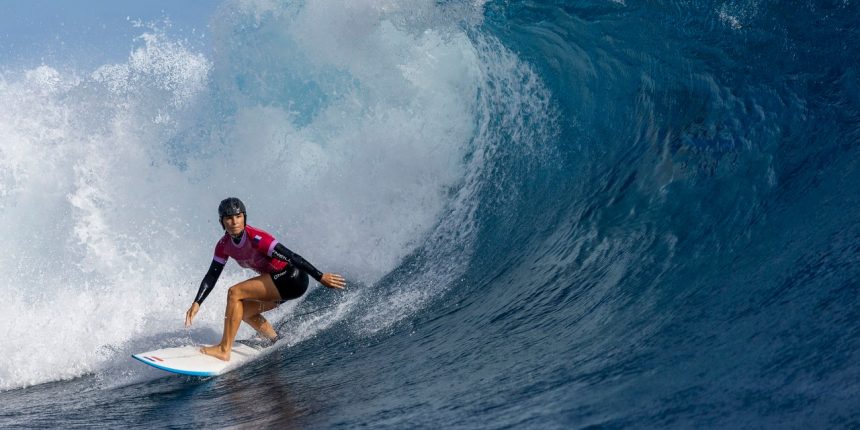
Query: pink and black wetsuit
x=260 y=251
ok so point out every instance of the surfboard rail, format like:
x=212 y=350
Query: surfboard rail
x=189 y=360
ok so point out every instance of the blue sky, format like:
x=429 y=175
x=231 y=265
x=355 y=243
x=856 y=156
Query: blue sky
x=84 y=34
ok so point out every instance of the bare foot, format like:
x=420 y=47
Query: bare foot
x=217 y=352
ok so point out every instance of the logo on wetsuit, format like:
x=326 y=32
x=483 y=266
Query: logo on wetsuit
x=292 y=271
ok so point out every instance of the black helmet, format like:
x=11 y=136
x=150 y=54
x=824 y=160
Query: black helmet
x=231 y=206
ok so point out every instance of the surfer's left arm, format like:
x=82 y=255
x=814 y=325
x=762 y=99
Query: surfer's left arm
x=331 y=280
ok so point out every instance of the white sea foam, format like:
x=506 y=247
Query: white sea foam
x=344 y=130
x=90 y=204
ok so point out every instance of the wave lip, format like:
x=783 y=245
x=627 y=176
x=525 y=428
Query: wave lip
x=370 y=127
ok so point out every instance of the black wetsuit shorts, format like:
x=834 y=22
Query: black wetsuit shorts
x=291 y=282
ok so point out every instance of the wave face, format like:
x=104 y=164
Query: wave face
x=551 y=215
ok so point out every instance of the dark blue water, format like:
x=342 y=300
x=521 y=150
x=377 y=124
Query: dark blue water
x=664 y=232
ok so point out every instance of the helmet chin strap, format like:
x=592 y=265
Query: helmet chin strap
x=238 y=238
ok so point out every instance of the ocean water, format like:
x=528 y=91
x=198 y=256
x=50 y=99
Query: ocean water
x=551 y=215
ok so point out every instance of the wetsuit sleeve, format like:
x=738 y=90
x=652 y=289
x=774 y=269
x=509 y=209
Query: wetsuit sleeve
x=209 y=281
x=282 y=253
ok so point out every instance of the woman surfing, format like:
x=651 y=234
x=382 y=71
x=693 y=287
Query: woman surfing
x=283 y=275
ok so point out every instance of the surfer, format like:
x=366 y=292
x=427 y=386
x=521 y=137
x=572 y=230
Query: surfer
x=283 y=275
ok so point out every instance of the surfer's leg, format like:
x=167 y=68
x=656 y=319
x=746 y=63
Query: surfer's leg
x=251 y=314
x=257 y=288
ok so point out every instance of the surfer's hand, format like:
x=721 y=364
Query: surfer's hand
x=192 y=311
x=333 y=280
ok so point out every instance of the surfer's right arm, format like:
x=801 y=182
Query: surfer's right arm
x=206 y=286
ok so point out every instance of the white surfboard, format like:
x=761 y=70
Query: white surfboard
x=188 y=360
